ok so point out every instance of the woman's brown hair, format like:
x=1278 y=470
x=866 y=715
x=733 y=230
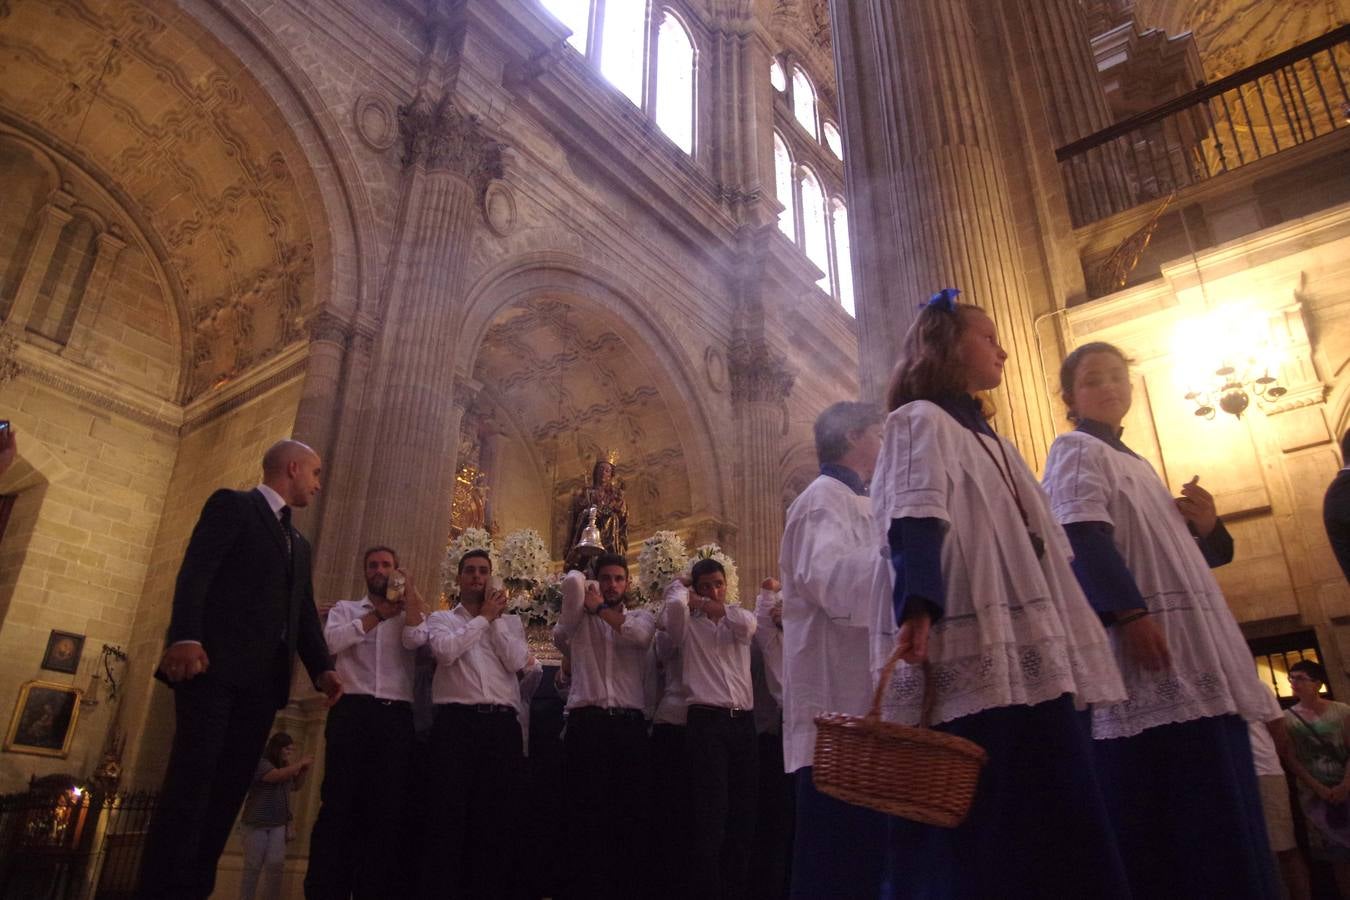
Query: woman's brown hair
x=929 y=365
x=275 y=744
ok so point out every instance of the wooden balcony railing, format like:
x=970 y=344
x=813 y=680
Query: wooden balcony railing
x=1278 y=103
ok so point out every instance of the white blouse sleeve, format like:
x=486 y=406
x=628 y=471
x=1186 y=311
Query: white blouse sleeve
x=1076 y=480
x=915 y=461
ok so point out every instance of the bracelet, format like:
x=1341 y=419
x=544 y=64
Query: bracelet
x=1125 y=620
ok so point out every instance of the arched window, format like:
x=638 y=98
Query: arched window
x=675 y=82
x=815 y=227
x=804 y=102
x=576 y=15
x=777 y=77
x=833 y=140
x=782 y=176
x=623 y=46
x=843 y=257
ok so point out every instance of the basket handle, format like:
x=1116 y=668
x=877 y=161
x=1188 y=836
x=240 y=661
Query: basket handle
x=929 y=691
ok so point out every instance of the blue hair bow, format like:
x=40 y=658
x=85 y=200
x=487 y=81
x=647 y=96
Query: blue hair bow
x=944 y=300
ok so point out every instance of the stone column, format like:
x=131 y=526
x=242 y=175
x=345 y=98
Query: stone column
x=447 y=159
x=317 y=416
x=110 y=246
x=741 y=116
x=929 y=199
x=1075 y=105
x=760 y=386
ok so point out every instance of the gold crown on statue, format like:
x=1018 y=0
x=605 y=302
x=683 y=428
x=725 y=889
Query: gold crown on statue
x=611 y=457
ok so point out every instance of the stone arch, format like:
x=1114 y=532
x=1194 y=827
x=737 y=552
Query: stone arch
x=580 y=282
x=37 y=469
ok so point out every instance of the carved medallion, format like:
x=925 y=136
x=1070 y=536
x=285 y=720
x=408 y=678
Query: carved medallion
x=376 y=122
x=499 y=208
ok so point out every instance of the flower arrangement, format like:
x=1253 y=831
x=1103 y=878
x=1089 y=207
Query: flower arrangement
x=714 y=551
x=523 y=560
x=470 y=539
x=662 y=558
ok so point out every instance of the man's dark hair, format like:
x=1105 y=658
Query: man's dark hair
x=611 y=559
x=1312 y=669
x=1345 y=448
x=476 y=553
x=379 y=548
x=706 y=567
x=836 y=423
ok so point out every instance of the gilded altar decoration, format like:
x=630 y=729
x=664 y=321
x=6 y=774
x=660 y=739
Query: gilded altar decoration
x=468 y=507
x=605 y=493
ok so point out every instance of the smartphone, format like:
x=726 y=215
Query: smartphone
x=494 y=584
x=4 y=426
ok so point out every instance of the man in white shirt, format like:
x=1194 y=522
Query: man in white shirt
x=670 y=761
x=714 y=641
x=368 y=736
x=605 y=748
x=777 y=793
x=830 y=564
x=477 y=776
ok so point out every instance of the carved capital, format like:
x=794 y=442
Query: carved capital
x=440 y=137
x=757 y=374
x=328 y=328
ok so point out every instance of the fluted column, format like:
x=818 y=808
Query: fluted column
x=1075 y=105
x=760 y=386
x=741 y=116
x=447 y=159
x=930 y=203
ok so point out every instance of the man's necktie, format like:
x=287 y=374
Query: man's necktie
x=286 y=528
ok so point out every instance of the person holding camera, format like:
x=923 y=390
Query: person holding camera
x=369 y=734
x=477 y=752
x=605 y=747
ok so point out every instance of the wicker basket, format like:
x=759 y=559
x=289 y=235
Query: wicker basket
x=900 y=770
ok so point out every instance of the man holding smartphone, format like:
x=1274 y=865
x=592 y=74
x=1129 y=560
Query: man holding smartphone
x=605 y=748
x=476 y=800
x=368 y=736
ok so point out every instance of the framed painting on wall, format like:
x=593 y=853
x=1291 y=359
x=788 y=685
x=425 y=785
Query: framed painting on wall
x=63 y=652
x=44 y=719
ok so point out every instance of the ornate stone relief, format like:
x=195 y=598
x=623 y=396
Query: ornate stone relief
x=438 y=136
x=758 y=374
x=499 y=208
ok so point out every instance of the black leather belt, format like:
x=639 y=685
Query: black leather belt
x=377 y=701
x=605 y=712
x=730 y=712
x=486 y=709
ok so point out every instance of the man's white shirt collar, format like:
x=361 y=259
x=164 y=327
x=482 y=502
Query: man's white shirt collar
x=273 y=499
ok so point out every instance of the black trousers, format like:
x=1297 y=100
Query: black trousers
x=771 y=871
x=353 y=850
x=723 y=759
x=476 y=805
x=670 y=803
x=607 y=821
x=219 y=735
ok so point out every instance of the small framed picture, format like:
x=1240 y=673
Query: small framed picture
x=44 y=719
x=63 y=652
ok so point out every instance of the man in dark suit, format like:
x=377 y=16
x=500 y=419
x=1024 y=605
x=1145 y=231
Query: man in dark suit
x=243 y=606
x=1336 y=509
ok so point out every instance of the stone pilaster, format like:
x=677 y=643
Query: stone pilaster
x=109 y=247
x=741 y=117
x=760 y=386
x=447 y=161
x=1075 y=105
x=930 y=203
x=54 y=217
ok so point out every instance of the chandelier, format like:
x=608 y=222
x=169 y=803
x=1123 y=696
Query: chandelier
x=1233 y=388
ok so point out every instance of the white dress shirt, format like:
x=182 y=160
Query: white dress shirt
x=831 y=565
x=716 y=654
x=379 y=662
x=608 y=666
x=476 y=661
x=769 y=640
x=673 y=707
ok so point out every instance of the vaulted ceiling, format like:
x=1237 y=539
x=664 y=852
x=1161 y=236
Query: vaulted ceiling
x=157 y=111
